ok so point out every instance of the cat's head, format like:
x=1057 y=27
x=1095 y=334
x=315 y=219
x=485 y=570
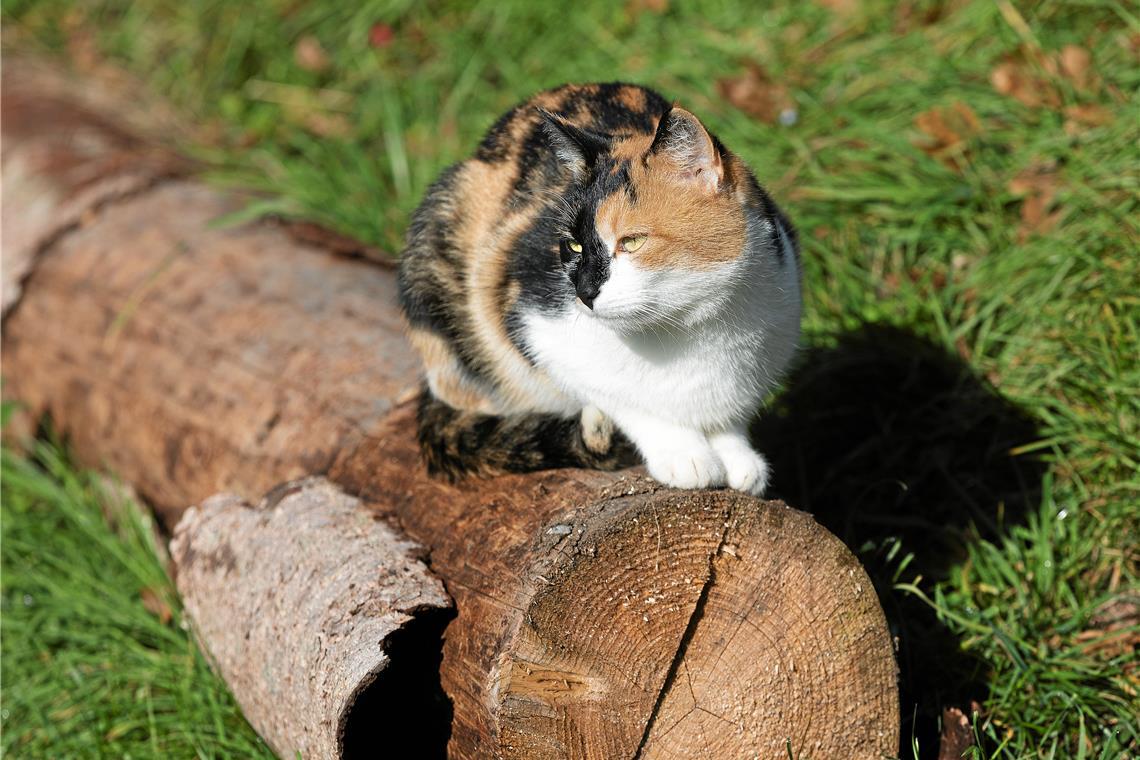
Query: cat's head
x=656 y=225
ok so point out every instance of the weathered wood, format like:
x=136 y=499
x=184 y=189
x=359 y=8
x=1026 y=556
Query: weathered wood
x=298 y=601
x=78 y=161
x=599 y=615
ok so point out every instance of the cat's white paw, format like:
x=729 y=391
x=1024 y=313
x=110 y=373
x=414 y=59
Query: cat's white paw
x=745 y=469
x=697 y=467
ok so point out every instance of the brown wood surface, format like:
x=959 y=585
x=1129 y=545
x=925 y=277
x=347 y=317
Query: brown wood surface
x=599 y=615
x=298 y=601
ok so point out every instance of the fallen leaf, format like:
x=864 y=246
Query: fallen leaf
x=156 y=605
x=327 y=124
x=1132 y=43
x=1078 y=118
x=756 y=94
x=309 y=54
x=1014 y=79
x=1035 y=216
x=891 y=282
x=911 y=14
x=1037 y=185
x=946 y=129
x=82 y=46
x=1118 y=628
x=840 y=7
x=1075 y=65
x=1037 y=177
x=635 y=8
x=957 y=735
x=1122 y=611
x=380 y=35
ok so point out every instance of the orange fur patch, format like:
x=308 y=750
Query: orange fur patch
x=687 y=228
x=485 y=236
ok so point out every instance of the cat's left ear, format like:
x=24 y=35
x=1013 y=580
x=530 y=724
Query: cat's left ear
x=576 y=147
x=688 y=150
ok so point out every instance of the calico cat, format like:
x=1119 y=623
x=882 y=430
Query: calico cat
x=601 y=261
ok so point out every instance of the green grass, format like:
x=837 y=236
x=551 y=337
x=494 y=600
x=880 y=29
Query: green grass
x=88 y=670
x=1036 y=607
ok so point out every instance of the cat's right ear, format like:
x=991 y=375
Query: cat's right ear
x=688 y=150
x=576 y=148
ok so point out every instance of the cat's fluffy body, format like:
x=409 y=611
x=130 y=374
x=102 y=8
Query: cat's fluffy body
x=600 y=257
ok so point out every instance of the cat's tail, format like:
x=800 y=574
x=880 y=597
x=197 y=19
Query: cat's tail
x=457 y=443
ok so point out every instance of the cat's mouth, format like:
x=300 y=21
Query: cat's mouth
x=599 y=311
x=618 y=318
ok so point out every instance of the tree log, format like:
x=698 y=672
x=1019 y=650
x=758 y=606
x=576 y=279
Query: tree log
x=599 y=614
x=308 y=565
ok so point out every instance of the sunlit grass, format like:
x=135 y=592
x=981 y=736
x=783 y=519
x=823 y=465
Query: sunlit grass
x=936 y=244
x=88 y=670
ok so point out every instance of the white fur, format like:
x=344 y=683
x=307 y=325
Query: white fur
x=680 y=360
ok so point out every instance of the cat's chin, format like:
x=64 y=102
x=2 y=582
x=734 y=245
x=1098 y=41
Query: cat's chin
x=615 y=319
x=625 y=322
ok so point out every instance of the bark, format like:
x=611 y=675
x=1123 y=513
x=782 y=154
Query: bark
x=298 y=602
x=599 y=615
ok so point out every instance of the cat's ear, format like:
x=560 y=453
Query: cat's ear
x=576 y=147
x=687 y=150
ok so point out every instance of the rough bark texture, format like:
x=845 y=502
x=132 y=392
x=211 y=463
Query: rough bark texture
x=78 y=161
x=297 y=602
x=599 y=615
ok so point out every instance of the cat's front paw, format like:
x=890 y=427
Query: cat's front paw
x=745 y=469
x=687 y=468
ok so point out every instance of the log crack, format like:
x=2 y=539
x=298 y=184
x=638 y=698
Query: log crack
x=686 y=639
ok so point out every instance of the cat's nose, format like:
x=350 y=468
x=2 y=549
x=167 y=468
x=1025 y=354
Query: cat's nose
x=587 y=292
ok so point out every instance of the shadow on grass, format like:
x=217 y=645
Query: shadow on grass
x=885 y=435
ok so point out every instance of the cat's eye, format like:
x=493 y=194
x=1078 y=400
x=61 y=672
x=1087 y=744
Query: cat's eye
x=633 y=242
x=574 y=246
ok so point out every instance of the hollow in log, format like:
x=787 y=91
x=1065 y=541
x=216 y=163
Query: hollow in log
x=301 y=602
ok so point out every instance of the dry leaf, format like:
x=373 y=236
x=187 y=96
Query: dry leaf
x=841 y=7
x=755 y=93
x=1132 y=44
x=1036 y=178
x=909 y=15
x=156 y=605
x=1118 y=621
x=957 y=735
x=1015 y=80
x=1075 y=65
x=635 y=8
x=1038 y=185
x=1079 y=118
x=309 y=54
x=1091 y=114
x=380 y=35
x=326 y=124
x=946 y=130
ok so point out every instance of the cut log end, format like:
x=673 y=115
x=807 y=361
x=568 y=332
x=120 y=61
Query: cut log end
x=698 y=625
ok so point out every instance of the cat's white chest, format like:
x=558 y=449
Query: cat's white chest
x=702 y=378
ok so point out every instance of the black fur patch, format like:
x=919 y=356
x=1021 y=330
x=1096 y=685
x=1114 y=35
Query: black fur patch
x=456 y=443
